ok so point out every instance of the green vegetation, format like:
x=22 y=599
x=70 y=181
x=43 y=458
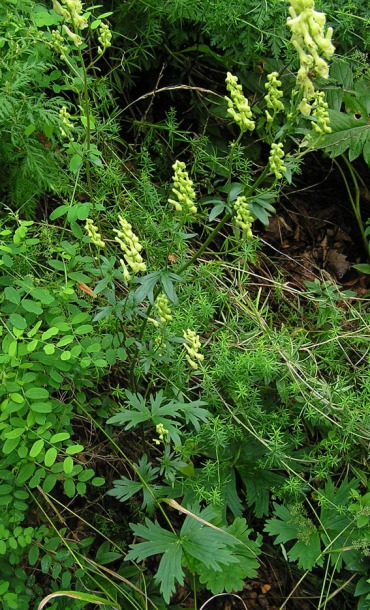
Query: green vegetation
x=167 y=419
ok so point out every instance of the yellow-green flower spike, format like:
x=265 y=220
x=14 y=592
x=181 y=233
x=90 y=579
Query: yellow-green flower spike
x=130 y=246
x=184 y=193
x=320 y=113
x=72 y=13
x=162 y=306
x=243 y=215
x=58 y=43
x=162 y=433
x=239 y=108
x=276 y=160
x=104 y=38
x=193 y=356
x=310 y=40
x=273 y=96
x=93 y=233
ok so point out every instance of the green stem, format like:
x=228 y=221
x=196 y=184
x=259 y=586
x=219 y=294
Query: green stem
x=354 y=197
x=85 y=103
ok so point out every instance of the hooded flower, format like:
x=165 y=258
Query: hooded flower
x=239 y=108
x=310 y=40
x=130 y=246
x=192 y=345
x=183 y=191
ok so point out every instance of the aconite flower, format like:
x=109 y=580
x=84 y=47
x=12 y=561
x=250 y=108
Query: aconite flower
x=192 y=345
x=72 y=13
x=243 y=215
x=310 y=41
x=273 y=96
x=183 y=191
x=320 y=113
x=276 y=160
x=93 y=233
x=163 y=309
x=130 y=246
x=104 y=38
x=162 y=434
x=238 y=105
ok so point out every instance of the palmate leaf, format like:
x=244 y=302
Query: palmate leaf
x=232 y=576
x=307 y=555
x=292 y=524
x=349 y=132
x=159 y=540
x=198 y=544
x=160 y=410
x=125 y=488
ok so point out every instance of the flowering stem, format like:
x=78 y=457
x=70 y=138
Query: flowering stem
x=183 y=268
x=85 y=103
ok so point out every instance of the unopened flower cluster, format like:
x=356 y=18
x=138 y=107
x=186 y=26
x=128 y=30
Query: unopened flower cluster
x=162 y=433
x=58 y=43
x=183 y=190
x=273 y=96
x=276 y=160
x=72 y=13
x=243 y=215
x=320 y=113
x=163 y=310
x=64 y=117
x=162 y=306
x=131 y=247
x=239 y=108
x=104 y=38
x=93 y=232
x=193 y=356
x=310 y=40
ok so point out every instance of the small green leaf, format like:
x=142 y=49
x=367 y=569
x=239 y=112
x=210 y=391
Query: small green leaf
x=32 y=306
x=49 y=349
x=86 y=475
x=51 y=332
x=32 y=345
x=84 y=329
x=36 y=448
x=73 y=449
x=60 y=436
x=10 y=444
x=100 y=363
x=69 y=488
x=68 y=465
x=37 y=393
x=65 y=340
x=50 y=456
x=33 y=555
x=59 y=211
x=41 y=407
x=75 y=165
x=362 y=267
x=40 y=294
x=25 y=473
x=12 y=295
x=17 y=397
x=49 y=483
x=17 y=321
